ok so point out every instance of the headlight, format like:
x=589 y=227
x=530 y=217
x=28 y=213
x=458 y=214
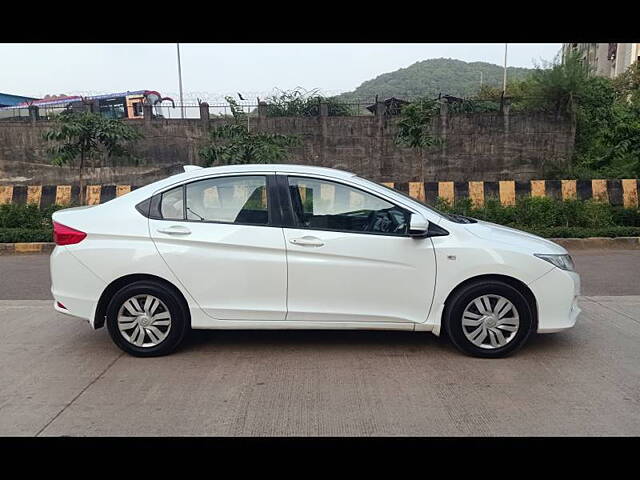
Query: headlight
x=561 y=261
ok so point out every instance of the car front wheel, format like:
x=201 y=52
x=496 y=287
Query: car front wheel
x=146 y=319
x=488 y=319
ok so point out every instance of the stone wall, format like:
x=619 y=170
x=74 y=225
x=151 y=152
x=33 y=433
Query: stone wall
x=487 y=147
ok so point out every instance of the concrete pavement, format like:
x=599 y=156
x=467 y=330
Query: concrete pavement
x=58 y=377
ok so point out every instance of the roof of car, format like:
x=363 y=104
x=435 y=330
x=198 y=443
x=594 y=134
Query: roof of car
x=273 y=168
x=194 y=173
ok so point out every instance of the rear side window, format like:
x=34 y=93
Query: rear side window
x=241 y=200
x=172 y=204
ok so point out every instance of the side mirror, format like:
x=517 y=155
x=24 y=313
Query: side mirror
x=418 y=226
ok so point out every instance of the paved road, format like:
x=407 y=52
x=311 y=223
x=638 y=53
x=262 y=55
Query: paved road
x=58 y=377
x=603 y=272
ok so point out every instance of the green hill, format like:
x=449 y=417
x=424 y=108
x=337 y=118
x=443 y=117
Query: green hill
x=431 y=77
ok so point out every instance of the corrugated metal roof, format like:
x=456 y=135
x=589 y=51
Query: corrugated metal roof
x=10 y=99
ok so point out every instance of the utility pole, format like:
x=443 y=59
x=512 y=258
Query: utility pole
x=504 y=78
x=480 y=79
x=180 y=81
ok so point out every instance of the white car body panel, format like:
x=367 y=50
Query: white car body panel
x=367 y=277
x=234 y=272
x=352 y=281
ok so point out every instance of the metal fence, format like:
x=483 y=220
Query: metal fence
x=359 y=107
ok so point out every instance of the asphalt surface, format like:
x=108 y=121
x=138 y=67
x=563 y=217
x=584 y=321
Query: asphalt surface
x=59 y=377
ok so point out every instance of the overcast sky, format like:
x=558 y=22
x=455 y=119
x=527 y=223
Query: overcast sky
x=210 y=71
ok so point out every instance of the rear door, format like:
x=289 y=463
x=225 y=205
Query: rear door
x=350 y=258
x=218 y=236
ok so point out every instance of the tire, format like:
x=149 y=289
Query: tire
x=487 y=331
x=147 y=319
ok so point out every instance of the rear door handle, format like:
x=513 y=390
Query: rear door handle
x=307 y=241
x=175 y=230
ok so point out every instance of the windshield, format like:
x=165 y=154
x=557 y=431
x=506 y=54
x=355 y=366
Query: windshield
x=449 y=216
x=406 y=196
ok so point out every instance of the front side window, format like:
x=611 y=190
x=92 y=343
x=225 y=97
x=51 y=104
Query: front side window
x=325 y=205
x=240 y=200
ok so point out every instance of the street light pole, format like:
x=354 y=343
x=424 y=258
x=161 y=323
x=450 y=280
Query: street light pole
x=504 y=78
x=180 y=81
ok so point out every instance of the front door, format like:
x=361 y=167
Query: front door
x=350 y=258
x=216 y=237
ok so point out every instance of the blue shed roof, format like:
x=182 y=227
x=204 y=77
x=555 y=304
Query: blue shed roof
x=7 y=99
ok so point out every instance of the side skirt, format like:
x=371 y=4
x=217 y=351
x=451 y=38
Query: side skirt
x=295 y=325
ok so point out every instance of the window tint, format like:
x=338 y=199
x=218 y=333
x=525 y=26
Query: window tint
x=230 y=199
x=327 y=205
x=171 y=206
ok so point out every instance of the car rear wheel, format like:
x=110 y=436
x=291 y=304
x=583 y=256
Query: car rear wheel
x=488 y=319
x=146 y=319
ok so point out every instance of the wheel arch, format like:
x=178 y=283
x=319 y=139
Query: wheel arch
x=514 y=282
x=117 y=284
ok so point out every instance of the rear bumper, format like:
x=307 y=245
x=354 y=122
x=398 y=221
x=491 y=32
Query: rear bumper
x=557 y=294
x=74 y=285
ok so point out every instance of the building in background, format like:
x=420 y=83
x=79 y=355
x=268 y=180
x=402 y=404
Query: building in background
x=605 y=59
x=8 y=100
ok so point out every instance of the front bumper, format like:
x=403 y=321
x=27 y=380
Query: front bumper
x=557 y=293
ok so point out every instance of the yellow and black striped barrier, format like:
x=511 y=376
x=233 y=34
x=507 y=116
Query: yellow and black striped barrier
x=617 y=192
x=623 y=192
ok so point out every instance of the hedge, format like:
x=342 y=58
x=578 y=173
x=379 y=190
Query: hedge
x=544 y=212
x=581 y=232
x=17 y=235
x=26 y=216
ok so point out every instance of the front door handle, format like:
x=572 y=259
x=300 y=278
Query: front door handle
x=307 y=241
x=175 y=230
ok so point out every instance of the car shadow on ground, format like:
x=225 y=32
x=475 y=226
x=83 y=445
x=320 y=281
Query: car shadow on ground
x=361 y=339
x=291 y=338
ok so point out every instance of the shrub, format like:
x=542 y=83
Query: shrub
x=544 y=212
x=581 y=232
x=21 y=216
x=17 y=235
x=538 y=211
x=626 y=216
x=27 y=216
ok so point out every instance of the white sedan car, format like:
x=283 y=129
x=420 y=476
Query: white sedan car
x=297 y=247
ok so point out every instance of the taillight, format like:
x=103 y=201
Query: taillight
x=64 y=235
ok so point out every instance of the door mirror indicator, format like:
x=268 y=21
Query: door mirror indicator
x=418 y=226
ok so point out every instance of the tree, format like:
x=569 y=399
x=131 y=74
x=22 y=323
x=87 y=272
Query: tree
x=414 y=127
x=86 y=136
x=627 y=84
x=414 y=124
x=233 y=144
x=557 y=86
x=300 y=103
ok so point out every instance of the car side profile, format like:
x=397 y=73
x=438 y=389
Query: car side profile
x=299 y=247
